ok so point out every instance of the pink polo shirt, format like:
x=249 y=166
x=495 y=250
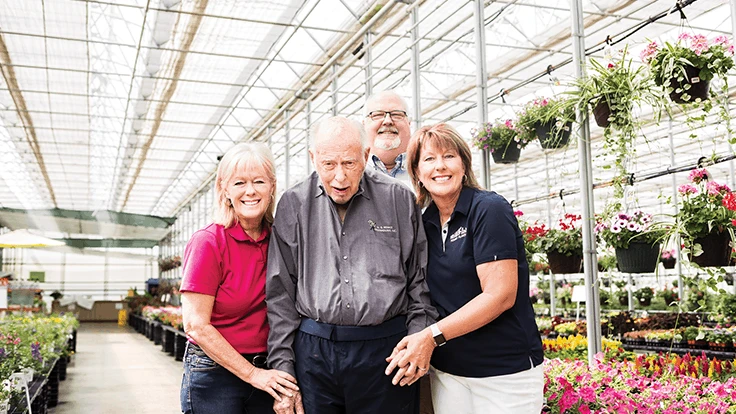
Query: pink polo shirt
x=231 y=266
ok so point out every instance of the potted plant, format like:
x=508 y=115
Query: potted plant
x=668 y=258
x=606 y=262
x=644 y=295
x=612 y=90
x=669 y=296
x=56 y=295
x=563 y=245
x=550 y=119
x=705 y=220
x=502 y=139
x=636 y=243
x=685 y=68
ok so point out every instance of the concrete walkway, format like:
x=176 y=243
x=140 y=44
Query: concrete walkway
x=117 y=370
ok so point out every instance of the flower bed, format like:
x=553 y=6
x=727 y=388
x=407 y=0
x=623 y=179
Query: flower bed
x=653 y=384
x=31 y=343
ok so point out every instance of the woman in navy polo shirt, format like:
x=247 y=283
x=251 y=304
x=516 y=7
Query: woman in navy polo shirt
x=224 y=293
x=488 y=357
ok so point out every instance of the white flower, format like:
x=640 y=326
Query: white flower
x=615 y=228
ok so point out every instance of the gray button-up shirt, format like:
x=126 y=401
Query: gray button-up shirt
x=362 y=272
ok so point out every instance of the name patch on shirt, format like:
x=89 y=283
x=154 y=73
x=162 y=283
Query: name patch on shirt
x=459 y=234
x=381 y=229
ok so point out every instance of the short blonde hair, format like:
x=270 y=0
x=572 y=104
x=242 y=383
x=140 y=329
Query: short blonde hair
x=244 y=155
x=439 y=136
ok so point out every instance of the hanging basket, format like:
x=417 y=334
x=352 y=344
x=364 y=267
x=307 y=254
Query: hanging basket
x=716 y=250
x=550 y=136
x=601 y=112
x=669 y=263
x=561 y=264
x=698 y=88
x=638 y=258
x=508 y=155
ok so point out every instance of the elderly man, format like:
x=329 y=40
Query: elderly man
x=346 y=267
x=387 y=124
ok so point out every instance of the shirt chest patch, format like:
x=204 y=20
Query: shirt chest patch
x=381 y=228
x=459 y=234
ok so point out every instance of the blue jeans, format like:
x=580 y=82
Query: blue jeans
x=208 y=388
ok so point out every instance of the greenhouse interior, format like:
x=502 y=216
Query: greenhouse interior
x=604 y=124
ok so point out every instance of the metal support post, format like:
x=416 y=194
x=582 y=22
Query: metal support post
x=335 y=87
x=481 y=79
x=592 y=303
x=368 y=58
x=675 y=197
x=307 y=143
x=552 y=295
x=415 y=78
x=287 y=156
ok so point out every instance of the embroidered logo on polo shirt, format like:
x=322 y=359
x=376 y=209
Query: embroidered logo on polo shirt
x=459 y=234
x=381 y=229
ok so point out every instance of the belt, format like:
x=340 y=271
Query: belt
x=386 y=329
x=258 y=360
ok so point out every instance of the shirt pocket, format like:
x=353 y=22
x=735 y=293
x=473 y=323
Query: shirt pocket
x=384 y=256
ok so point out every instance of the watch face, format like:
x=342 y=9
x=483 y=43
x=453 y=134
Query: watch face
x=439 y=339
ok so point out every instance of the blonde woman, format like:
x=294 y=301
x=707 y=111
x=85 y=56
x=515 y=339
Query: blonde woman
x=223 y=293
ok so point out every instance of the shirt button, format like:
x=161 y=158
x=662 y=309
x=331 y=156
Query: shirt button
x=344 y=258
x=348 y=306
x=346 y=281
x=444 y=231
x=343 y=233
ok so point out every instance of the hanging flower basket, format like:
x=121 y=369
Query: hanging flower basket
x=602 y=113
x=691 y=88
x=561 y=264
x=716 y=250
x=638 y=258
x=508 y=155
x=553 y=134
x=669 y=263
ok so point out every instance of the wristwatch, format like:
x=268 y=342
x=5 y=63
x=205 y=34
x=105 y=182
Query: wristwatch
x=439 y=338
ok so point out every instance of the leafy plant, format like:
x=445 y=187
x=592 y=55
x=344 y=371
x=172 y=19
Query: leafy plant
x=498 y=136
x=644 y=294
x=622 y=229
x=566 y=239
x=557 y=111
x=613 y=90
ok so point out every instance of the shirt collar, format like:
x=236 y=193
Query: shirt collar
x=432 y=213
x=399 y=164
x=237 y=233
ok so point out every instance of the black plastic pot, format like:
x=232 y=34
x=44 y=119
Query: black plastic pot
x=638 y=258
x=561 y=264
x=698 y=88
x=508 y=155
x=550 y=136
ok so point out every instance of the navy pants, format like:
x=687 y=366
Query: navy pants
x=208 y=388
x=338 y=377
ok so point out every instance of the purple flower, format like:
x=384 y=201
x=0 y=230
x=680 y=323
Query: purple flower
x=615 y=229
x=36 y=351
x=632 y=226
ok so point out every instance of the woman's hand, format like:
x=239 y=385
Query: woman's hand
x=411 y=355
x=274 y=382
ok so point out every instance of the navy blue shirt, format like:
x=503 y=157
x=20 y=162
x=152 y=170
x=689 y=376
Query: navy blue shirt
x=482 y=229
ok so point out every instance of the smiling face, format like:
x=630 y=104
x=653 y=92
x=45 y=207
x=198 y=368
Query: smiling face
x=339 y=159
x=441 y=172
x=386 y=137
x=250 y=191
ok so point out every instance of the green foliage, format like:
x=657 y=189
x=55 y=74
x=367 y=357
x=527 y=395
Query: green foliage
x=499 y=135
x=619 y=230
x=566 y=239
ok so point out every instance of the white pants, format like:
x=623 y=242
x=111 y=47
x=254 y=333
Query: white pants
x=519 y=393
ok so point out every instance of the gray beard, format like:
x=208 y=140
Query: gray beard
x=386 y=145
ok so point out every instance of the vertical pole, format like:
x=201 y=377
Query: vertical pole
x=481 y=78
x=269 y=131
x=592 y=303
x=308 y=120
x=287 y=157
x=335 y=87
x=368 y=57
x=516 y=182
x=415 y=78
x=63 y=273
x=552 y=295
x=106 y=273
x=549 y=190
x=675 y=196
x=630 y=293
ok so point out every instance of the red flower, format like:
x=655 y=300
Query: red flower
x=729 y=201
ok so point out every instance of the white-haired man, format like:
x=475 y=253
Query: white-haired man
x=387 y=125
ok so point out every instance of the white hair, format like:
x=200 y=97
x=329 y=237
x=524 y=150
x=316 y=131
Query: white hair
x=385 y=94
x=337 y=127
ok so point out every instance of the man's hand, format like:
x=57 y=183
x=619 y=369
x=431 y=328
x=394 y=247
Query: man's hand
x=411 y=355
x=289 y=405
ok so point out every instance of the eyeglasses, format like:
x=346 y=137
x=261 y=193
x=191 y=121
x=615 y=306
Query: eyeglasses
x=381 y=115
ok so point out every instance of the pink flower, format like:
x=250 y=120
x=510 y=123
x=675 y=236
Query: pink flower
x=684 y=36
x=611 y=65
x=721 y=40
x=698 y=174
x=686 y=189
x=518 y=213
x=649 y=52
